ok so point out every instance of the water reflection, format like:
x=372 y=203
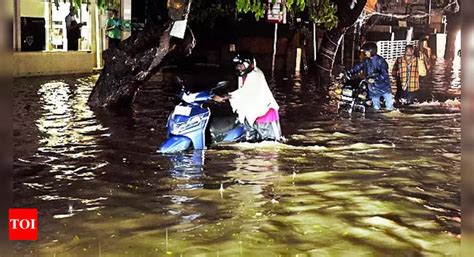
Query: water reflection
x=187 y=169
x=66 y=149
x=384 y=183
x=444 y=81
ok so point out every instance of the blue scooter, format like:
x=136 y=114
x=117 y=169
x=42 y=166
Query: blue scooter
x=188 y=122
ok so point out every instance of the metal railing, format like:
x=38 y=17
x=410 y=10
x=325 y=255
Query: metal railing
x=391 y=50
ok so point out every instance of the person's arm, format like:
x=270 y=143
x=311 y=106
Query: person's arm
x=69 y=25
x=356 y=69
x=109 y=25
x=220 y=99
x=77 y=26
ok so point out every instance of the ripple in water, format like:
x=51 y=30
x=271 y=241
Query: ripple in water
x=383 y=183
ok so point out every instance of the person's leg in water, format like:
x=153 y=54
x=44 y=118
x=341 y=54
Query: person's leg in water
x=409 y=97
x=412 y=96
x=388 y=98
x=398 y=94
x=114 y=43
x=111 y=42
x=405 y=97
x=251 y=134
x=277 y=130
x=268 y=126
x=270 y=131
x=375 y=101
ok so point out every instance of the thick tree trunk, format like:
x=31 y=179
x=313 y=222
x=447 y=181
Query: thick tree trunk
x=453 y=16
x=137 y=59
x=453 y=27
x=330 y=44
x=328 y=50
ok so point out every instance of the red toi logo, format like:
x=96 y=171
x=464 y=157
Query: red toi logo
x=23 y=224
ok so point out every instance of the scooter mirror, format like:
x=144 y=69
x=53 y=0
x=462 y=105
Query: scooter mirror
x=222 y=84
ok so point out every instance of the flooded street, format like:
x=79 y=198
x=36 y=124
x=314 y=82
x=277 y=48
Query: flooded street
x=387 y=184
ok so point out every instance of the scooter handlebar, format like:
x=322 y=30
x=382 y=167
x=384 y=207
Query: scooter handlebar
x=202 y=96
x=199 y=97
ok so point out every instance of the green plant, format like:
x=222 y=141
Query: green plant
x=322 y=12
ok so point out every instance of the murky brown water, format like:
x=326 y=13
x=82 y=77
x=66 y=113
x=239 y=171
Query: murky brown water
x=386 y=184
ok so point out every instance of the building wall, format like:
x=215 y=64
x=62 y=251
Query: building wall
x=32 y=8
x=52 y=63
x=9 y=9
x=56 y=61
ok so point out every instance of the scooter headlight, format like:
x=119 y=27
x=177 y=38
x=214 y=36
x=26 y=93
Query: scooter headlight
x=174 y=126
x=347 y=92
x=194 y=121
x=182 y=127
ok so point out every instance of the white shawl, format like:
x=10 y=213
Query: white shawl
x=253 y=98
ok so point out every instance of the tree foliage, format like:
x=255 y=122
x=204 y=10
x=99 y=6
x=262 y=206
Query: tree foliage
x=322 y=12
x=253 y=6
x=77 y=3
x=208 y=11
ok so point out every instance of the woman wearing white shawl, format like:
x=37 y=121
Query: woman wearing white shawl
x=254 y=102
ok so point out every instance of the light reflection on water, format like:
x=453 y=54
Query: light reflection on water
x=386 y=183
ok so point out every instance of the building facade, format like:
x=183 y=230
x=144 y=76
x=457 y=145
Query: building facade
x=39 y=37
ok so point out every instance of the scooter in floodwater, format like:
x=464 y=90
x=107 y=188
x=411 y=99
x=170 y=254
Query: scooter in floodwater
x=189 y=123
x=353 y=95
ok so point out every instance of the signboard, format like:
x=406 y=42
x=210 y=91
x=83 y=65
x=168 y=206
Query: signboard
x=276 y=13
x=179 y=29
x=179 y=13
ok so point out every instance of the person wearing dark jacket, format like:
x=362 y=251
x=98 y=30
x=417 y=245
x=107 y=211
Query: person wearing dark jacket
x=73 y=30
x=376 y=69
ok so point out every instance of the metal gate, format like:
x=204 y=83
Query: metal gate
x=391 y=50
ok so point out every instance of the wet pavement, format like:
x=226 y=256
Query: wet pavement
x=384 y=184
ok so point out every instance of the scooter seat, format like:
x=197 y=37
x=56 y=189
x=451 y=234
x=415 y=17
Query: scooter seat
x=221 y=125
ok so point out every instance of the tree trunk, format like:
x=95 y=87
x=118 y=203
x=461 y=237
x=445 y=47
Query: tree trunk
x=453 y=16
x=330 y=44
x=328 y=50
x=136 y=60
x=452 y=28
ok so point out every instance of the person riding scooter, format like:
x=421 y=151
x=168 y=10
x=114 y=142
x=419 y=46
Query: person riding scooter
x=253 y=101
x=376 y=67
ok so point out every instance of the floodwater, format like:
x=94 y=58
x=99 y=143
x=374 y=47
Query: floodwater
x=387 y=184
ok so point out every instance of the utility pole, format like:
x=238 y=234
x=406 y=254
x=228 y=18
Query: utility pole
x=17 y=26
x=429 y=12
x=342 y=42
x=315 y=43
x=275 y=39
